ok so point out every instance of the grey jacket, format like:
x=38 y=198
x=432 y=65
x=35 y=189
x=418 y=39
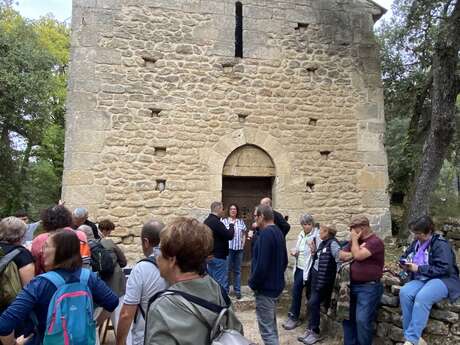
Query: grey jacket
x=172 y=320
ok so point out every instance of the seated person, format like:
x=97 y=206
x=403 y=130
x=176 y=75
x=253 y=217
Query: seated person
x=433 y=274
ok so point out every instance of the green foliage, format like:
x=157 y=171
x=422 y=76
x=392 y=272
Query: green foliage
x=408 y=42
x=33 y=60
x=400 y=166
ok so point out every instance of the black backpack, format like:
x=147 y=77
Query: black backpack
x=102 y=260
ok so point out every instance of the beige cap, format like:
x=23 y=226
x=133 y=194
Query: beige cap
x=359 y=221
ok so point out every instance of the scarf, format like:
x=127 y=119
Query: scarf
x=419 y=257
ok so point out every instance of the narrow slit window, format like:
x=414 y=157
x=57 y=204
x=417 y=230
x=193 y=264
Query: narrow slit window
x=238 y=29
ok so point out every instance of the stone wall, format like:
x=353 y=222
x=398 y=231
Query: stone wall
x=443 y=326
x=451 y=231
x=157 y=99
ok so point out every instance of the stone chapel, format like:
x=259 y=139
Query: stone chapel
x=174 y=104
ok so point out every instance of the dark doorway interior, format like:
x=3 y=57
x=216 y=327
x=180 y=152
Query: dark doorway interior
x=246 y=192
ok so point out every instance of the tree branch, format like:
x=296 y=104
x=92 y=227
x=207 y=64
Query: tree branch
x=418 y=108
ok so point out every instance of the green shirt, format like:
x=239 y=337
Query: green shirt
x=172 y=320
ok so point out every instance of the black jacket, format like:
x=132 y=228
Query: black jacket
x=221 y=236
x=327 y=266
x=281 y=223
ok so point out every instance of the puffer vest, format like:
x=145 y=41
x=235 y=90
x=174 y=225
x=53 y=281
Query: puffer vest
x=327 y=267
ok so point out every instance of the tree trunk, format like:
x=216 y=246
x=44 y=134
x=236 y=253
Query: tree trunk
x=443 y=107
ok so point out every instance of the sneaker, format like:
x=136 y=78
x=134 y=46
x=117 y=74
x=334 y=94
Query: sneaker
x=422 y=341
x=290 y=323
x=238 y=296
x=407 y=343
x=304 y=336
x=312 y=338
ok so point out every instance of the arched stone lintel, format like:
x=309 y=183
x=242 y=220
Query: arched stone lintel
x=217 y=155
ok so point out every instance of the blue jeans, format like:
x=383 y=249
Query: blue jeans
x=417 y=297
x=364 y=301
x=297 y=289
x=217 y=269
x=234 y=259
x=266 y=318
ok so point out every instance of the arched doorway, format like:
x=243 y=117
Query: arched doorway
x=247 y=177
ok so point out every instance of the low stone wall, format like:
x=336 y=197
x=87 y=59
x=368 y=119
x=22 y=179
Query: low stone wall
x=443 y=326
x=451 y=231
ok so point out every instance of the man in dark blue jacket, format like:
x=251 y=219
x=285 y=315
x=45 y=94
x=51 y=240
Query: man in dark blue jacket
x=217 y=266
x=269 y=261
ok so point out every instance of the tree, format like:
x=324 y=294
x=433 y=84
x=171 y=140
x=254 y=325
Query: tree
x=421 y=55
x=33 y=60
x=444 y=84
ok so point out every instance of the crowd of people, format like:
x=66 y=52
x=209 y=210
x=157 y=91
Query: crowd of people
x=63 y=276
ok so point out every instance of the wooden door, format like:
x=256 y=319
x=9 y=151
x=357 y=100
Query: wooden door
x=245 y=192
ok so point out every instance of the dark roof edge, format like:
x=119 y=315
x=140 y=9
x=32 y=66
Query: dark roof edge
x=380 y=10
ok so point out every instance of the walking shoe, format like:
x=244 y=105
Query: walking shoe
x=312 y=338
x=304 y=336
x=407 y=343
x=422 y=341
x=290 y=323
x=238 y=296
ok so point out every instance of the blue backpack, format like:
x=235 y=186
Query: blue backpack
x=70 y=313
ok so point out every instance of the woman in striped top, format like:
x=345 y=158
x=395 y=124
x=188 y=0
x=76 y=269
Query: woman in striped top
x=235 y=255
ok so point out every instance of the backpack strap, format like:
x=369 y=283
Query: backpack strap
x=84 y=276
x=54 y=278
x=150 y=259
x=218 y=309
x=5 y=260
x=195 y=299
x=153 y=261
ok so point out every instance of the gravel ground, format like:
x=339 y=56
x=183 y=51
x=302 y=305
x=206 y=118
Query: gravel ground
x=245 y=311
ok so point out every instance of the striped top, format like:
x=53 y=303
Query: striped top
x=240 y=233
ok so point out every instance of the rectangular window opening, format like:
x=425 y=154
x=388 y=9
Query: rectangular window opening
x=238 y=29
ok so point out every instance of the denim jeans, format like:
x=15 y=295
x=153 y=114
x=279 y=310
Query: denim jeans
x=417 y=297
x=217 y=269
x=266 y=318
x=297 y=289
x=234 y=259
x=364 y=301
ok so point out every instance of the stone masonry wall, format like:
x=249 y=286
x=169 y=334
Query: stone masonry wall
x=156 y=98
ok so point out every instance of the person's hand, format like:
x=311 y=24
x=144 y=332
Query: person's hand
x=61 y=202
x=294 y=252
x=22 y=340
x=250 y=234
x=355 y=235
x=412 y=267
x=312 y=245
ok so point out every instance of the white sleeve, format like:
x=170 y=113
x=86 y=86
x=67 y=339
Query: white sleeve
x=134 y=286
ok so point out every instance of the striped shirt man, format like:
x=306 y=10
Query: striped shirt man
x=240 y=232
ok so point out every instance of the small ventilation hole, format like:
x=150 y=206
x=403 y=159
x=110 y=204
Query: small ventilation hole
x=161 y=185
x=310 y=187
x=325 y=154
